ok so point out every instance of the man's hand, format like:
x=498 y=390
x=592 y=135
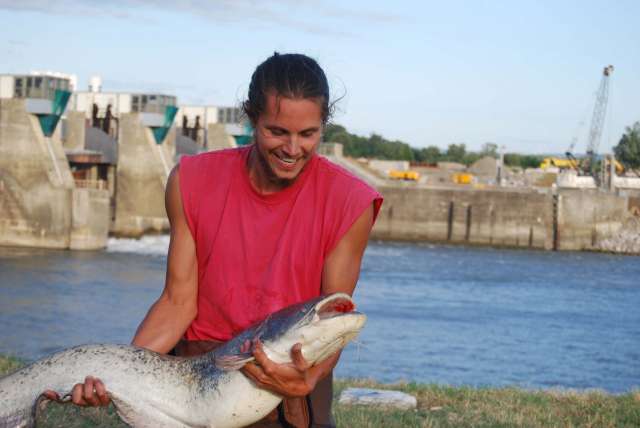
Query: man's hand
x=295 y=379
x=90 y=393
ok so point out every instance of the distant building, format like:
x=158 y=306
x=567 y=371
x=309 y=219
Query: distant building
x=72 y=78
x=36 y=86
x=121 y=102
x=204 y=124
x=104 y=109
x=206 y=115
x=45 y=95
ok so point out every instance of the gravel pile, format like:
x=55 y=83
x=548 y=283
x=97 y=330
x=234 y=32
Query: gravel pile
x=627 y=240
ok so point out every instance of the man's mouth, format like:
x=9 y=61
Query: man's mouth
x=284 y=158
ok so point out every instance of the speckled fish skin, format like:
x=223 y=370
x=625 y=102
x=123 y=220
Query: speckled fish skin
x=160 y=391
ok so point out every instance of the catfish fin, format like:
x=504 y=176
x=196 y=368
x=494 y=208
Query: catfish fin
x=233 y=362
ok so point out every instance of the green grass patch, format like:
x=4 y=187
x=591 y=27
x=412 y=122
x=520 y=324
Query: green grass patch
x=438 y=406
x=9 y=364
x=445 y=406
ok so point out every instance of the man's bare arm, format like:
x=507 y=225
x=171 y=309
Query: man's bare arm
x=175 y=309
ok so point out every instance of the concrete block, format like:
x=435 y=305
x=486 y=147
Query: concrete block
x=75 y=131
x=38 y=106
x=143 y=169
x=90 y=215
x=35 y=205
x=379 y=398
x=218 y=137
x=330 y=149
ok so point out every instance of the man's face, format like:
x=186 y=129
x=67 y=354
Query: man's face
x=286 y=136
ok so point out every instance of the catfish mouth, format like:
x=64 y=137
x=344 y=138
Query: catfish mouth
x=335 y=305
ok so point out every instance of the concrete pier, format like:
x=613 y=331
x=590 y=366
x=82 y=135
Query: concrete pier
x=40 y=205
x=142 y=173
x=543 y=218
x=466 y=216
x=570 y=219
x=136 y=129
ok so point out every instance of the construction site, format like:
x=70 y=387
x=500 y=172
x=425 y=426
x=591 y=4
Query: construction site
x=78 y=166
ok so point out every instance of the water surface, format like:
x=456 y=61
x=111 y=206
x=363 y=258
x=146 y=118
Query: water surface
x=449 y=315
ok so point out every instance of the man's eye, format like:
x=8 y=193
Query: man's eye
x=308 y=134
x=277 y=132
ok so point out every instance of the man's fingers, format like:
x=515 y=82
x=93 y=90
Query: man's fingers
x=76 y=395
x=89 y=392
x=51 y=395
x=254 y=372
x=267 y=365
x=101 y=392
x=298 y=359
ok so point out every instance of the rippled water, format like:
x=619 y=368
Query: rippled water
x=448 y=315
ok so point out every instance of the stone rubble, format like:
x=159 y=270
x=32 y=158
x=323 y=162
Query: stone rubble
x=626 y=241
x=378 y=397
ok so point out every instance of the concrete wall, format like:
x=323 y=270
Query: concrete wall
x=218 y=138
x=586 y=217
x=35 y=182
x=143 y=169
x=574 y=219
x=466 y=216
x=626 y=182
x=331 y=149
x=75 y=124
x=89 y=219
x=38 y=202
x=571 y=179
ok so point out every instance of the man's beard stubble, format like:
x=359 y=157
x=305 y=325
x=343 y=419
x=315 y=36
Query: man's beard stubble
x=269 y=173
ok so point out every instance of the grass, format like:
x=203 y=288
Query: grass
x=438 y=406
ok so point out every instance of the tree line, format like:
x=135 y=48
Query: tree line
x=376 y=146
x=627 y=151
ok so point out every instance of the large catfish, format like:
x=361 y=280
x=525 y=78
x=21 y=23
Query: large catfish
x=154 y=390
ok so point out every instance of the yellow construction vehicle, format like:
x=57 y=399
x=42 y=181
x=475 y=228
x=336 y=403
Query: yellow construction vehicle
x=617 y=165
x=560 y=163
x=404 y=175
x=462 y=178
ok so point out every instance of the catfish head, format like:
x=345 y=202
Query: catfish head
x=322 y=326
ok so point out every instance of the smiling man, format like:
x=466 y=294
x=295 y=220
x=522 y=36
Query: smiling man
x=255 y=229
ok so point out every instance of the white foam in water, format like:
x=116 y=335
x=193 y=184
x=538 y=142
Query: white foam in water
x=151 y=244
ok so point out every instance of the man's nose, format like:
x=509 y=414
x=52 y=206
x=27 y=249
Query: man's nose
x=292 y=147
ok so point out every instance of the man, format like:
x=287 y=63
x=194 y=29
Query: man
x=256 y=229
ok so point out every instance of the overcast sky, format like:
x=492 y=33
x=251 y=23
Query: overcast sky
x=522 y=74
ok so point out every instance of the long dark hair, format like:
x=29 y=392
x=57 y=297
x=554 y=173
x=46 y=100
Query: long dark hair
x=290 y=76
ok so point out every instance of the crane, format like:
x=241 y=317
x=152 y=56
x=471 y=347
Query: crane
x=597 y=121
x=588 y=166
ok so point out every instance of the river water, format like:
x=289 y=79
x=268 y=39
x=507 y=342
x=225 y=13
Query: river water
x=437 y=314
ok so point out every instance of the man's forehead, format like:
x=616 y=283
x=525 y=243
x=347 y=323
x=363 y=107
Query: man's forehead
x=280 y=109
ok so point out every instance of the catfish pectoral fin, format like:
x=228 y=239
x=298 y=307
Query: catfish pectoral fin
x=233 y=362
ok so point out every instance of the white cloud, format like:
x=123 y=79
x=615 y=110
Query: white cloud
x=319 y=17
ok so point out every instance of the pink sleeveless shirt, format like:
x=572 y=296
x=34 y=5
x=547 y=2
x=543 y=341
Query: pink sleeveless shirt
x=259 y=253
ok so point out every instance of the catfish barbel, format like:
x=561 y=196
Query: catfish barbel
x=160 y=391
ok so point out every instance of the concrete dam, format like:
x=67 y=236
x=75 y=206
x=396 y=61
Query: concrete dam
x=567 y=220
x=68 y=182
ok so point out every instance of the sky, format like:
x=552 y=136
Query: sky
x=520 y=74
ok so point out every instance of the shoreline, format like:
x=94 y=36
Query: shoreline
x=438 y=405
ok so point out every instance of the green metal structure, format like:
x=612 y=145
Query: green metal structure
x=48 y=122
x=160 y=132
